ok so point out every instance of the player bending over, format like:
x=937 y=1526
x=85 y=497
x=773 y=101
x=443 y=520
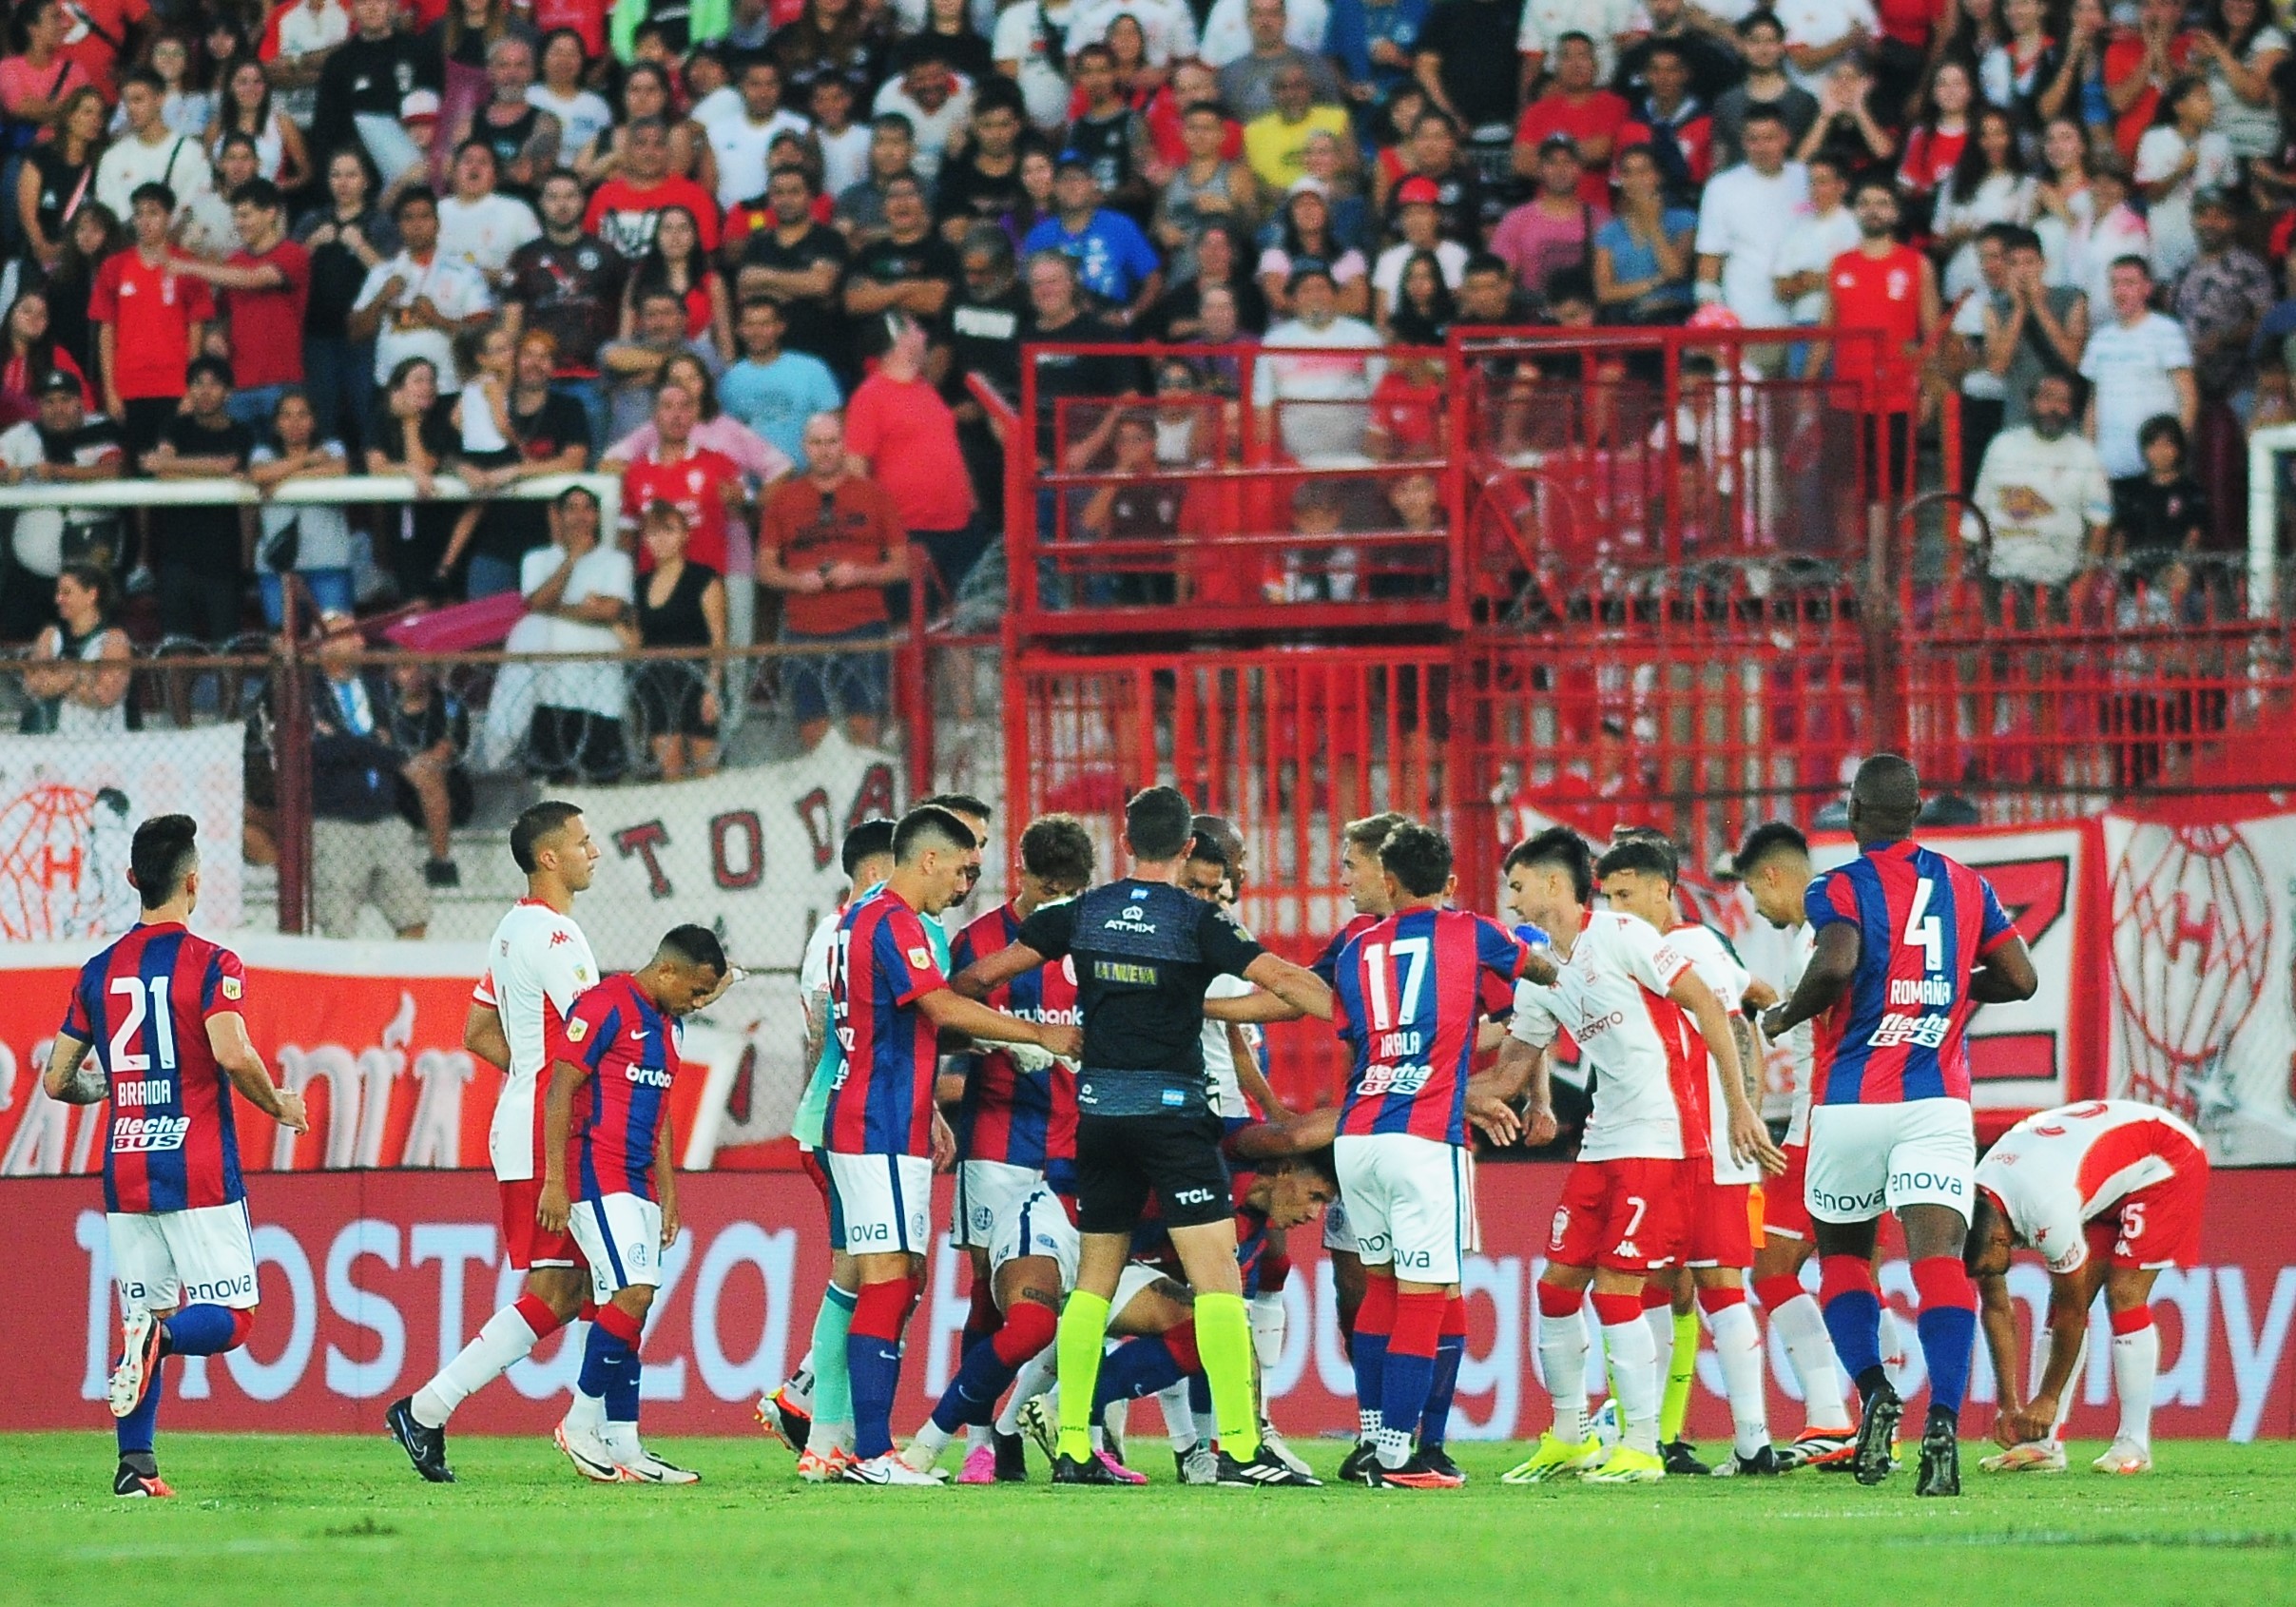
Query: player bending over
x=163 y=1012
x=1890 y=1125
x=890 y=1002
x=538 y=962
x=606 y=1124
x=1629 y=1000
x=2108 y=1192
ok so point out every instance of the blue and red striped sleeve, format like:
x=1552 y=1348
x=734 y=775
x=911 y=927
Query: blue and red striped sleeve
x=1995 y=928
x=902 y=955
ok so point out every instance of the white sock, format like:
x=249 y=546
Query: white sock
x=1036 y=1377
x=2135 y=1364
x=1267 y=1329
x=798 y=1387
x=978 y=1436
x=1893 y=1342
x=827 y=1437
x=1394 y=1446
x=927 y=1443
x=1634 y=1377
x=1117 y=1419
x=1207 y=1425
x=1179 y=1417
x=1367 y=1423
x=500 y=1345
x=1810 y=1350
x=1562 y=1355
x=621 y=1440
x=588 y=1413
x=1660 y=1321
x=1738 y=1346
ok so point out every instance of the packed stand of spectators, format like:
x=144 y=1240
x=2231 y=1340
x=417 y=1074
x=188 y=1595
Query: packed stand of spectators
x=702 y=243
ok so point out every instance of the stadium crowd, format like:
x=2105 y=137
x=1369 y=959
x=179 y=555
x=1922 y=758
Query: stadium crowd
x=751 y=255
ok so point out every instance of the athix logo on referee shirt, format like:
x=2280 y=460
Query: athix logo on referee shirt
x=1130 y=920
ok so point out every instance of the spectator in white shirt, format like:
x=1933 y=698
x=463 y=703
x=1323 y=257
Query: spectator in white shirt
x=1607 y=22
x=415 y=304
x=478 y=223
x=1821 y=34
x=1228 y=29
x=151 y=152
x=1168 y=26
x=1031 y=48
x=2044 y=494
x=1744 y=219
x=582 y=114
x=2138 y=365
x=1821 y=230
x=296 y=42
x=742 y=141
x=938 y=104
x=1319 y=401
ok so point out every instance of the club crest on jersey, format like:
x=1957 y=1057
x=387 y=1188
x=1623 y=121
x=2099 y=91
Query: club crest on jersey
x=231 y=988
x=577 y=1030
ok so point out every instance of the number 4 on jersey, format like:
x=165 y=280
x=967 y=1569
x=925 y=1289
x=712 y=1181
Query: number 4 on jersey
x=1925 y=931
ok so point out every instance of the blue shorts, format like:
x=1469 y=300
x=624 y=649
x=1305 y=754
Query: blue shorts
x=822 y=685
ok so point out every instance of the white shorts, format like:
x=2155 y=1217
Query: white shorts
x=164 y=1259
x=1866 y=1159
x=1407 y=1201
x=1035 y=1225
x=986 y=1192
x=620 y=1235
x=880 y=1205
x=1470 y=1224
x=1337 y=1233
x=1136 y=1278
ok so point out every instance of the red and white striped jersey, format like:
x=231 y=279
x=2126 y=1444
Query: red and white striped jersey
x=1650 y=1091
x=538 y=963
x=2056 y=1170
x=1723 y=971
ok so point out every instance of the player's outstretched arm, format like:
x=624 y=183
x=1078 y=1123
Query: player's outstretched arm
x=1292 y=1135
x=557 y=1125
x=991 y=971
x=68 y=1080
x=1520 y=1074
x=949 y=1012
x=1295 y=984
x=2006 y=975
x=1826 y=979
x=2070 y=1296
x=1749 y=1140
x=482 y=1034
x=1252 y=1009
x=228 y=1037
x=1996 y=1314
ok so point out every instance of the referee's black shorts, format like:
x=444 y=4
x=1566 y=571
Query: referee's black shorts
x=1121 y=1159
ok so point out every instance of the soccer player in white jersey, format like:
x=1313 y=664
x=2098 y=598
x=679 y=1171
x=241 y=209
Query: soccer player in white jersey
x=537 y=963
x=1774 y=864
x=1638 y=879
x=2108 y=1192
x=1637 y=1011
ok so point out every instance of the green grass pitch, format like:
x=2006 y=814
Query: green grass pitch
x=267 y=1520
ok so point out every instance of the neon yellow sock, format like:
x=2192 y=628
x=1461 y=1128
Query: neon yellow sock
x=1681 y=1367
x=1084 y=1330
x=1223 y=1340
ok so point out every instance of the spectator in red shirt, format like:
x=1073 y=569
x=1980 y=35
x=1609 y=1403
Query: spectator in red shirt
x=265 y=285
x=897 y=425
x=705 y=486
x=626 y=207
x=149 y=318
x=100 y=34
x=1572 y=106
x=2138 y=63
x=830 y=543
x=1675 y=124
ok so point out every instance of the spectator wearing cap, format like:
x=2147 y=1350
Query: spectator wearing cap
x=60 y=444
x=1743 y=219
x=1276 y=142
x=1248 y=81
x=1578 y=108
x=1113 y=258
x=1552 y=232
x=1318 y=405
x=2221 y=298
x=1419 y=225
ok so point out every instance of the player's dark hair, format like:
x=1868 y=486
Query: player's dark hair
x=1059 y=849
x=1322 y=1162
x=1215 y=839
x=1557 y=845
x=930 y=826
x=697 y=946
x=1984 y=1216
x=1372 y=830
x=1771 y=837
x=165 y=849
x=1639 y=855
x=865 y=842
x=1158 y=822
x=1419 y=857
x=538 y=821
x=956 y=804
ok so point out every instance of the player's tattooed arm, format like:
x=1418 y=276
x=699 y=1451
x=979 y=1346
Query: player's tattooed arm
x=557 y=1125
x=1749 y=1039
x=1749 y=1140
x=228 y=1037
x=71 y=1079
x=1826 y=979
x=1295 y=984
x=482 y=1034
x=991 y=971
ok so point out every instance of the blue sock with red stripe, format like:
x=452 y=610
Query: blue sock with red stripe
x=622 y=1389
x=989 y=1367
x=1146 y=1366
x=135 y=1429
x=1948 y=1326
x=1853 y=1318
x=1409 y=1373
x=1435 y=1423
x=606 y=1356
x=873 y=1358
x=1374 y=1318
x=204 y=1330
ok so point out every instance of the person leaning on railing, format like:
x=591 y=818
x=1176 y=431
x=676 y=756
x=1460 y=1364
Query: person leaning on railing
x=61 y=444
x=79 y=703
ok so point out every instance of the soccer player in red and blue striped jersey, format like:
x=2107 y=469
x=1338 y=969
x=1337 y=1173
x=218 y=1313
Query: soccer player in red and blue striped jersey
x=609 y=1178
x=890 y=1002
x=1408 y=1000
x=1909 y=944
x=161 y=1008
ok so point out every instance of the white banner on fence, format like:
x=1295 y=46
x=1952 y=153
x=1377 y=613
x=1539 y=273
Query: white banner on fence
x=752 y=852
x=68 y=811
x=2204 y=977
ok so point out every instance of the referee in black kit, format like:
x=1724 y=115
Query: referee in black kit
x=1145 y=952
